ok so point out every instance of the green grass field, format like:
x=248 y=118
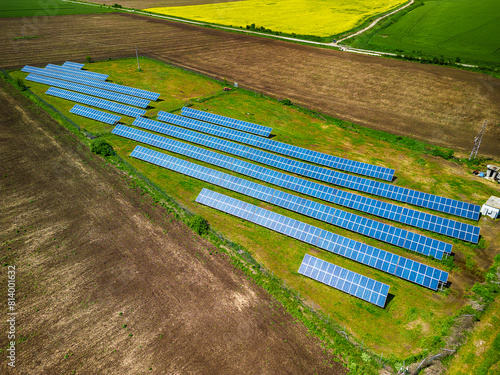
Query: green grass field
x=415 y=318
x=36 y=8
x=467 y=29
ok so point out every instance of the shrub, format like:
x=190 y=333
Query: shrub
x=286 y=101
x=101 y=147
x=21 y=84
x=199 y=225
x=89 y=59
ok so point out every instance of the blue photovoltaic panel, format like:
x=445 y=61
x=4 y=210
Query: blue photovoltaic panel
x=342 y=279
x=282 y=148
x=371 y=228
x=92 y=82
x=389 y=211
x=227 y=122
x=94 y=114
x=79 y=73
x=393 y=264
x=382 y=189
x=96 y=102
x=73 y=65
x=122 y=98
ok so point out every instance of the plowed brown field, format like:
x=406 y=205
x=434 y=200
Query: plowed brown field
x=441 y=105
x=108 y=284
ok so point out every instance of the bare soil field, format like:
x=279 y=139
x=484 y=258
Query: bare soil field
x=107 y=283
x=441 y=105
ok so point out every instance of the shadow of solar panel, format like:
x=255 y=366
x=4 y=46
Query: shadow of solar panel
x=94 y=83
x=371 y=228
x=94 y=114
x=344 y=280
x=393 y=264
x=430 y=201
x=282 y=148
x=245 y=126
x=105 y=94
x=79 y=73
x=386 y=210
x=73 y=65
x=96 y=102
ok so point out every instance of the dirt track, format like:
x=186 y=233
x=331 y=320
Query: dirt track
x=87 y=247
x=442 y=105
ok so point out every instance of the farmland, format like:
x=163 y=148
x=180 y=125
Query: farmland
x=453 y=28
x=35 y=8
x=107 y=280
x=440 y=105
x=413 y=325
x=324 y=18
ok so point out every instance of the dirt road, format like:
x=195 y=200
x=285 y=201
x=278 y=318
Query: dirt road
x=107 y=283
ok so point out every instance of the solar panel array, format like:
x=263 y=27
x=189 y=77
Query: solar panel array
x=79 y=73
x=96 y=102
x=73 y=65
x=280 y=148
x=382 y=189
x=371 y=228
x=94 y=114
x=342 y=279
x=122 y=98
x=393 y=264
x=389 y=211
x=227 y=121
x=94 y=83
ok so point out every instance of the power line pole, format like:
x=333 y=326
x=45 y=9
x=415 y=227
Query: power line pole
x=22 y=32
x=477 y=141
x=137 y=55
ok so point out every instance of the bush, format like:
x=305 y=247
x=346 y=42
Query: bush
x=21 y=84
x=101 y=147
x=286 y=101
x=199 y=225
x=89 y=59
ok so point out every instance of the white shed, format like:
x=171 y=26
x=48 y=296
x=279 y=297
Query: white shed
x=491 y=208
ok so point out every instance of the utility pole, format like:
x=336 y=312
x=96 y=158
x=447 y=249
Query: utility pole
x=137 y=55
x=22 y=32
x=477 y=141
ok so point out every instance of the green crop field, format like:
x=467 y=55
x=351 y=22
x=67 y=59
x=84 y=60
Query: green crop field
x=463 y=28
x=37 y=8
x=415 y=318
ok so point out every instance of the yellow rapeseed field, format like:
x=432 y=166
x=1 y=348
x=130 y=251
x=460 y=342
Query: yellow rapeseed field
x=305 y=17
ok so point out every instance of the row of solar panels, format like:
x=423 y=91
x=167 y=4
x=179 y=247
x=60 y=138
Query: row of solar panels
x=69 y=75
x=371 y=228
x=390 y=211
x=73 y=65
x=94 y=91
x=416 y=272
x=286 y=149
x=378 y=188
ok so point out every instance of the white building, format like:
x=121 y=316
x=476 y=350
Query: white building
x=491 y=208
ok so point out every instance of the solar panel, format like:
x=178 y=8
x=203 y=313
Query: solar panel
x=227 y=121
x=94 y=83
x=371 y=228
x=389 y=211
x=393 y=264
x=79 y=73
x=382 y=189
x=122 y=98
x=281 y=148
x=344 y=280
x=96 y=102
x=73 y=65
x=94 y=114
